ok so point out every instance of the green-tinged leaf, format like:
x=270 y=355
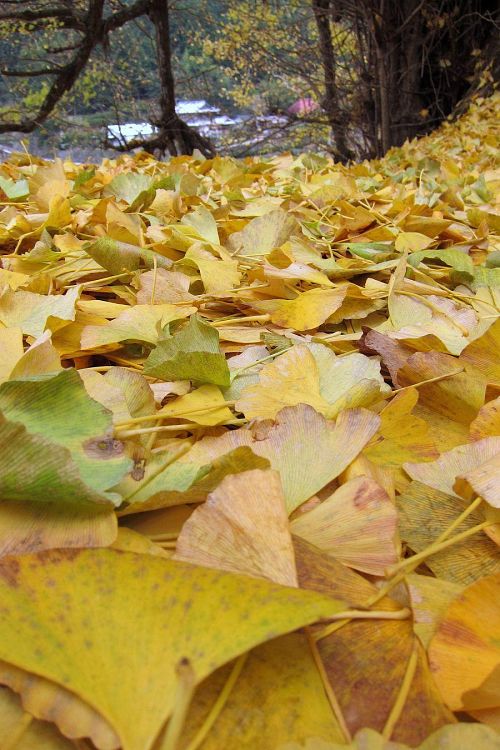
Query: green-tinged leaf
x=192 y=353
x=133 y=187
x=204 y=223
x=118 y=257
x=33 y=313
x=263 y=233
x=188 y=480
x=14 y=190
x=457 y=259
x=424 y=514
x=55 y=410
x=143 y=323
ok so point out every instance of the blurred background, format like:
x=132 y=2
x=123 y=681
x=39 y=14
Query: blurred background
x=87 y=78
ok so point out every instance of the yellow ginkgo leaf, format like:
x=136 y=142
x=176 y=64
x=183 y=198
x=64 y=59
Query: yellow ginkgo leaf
x=412 y=242
x=218 y=274
x=482 y=353
x=465 y=652
x=293 y=378
x=34 y=526
x=128 y=540
x=417 y=316
x=482 y=480
x=205 y=405
x=59 y=213
x=308 y=310
x=20 y=730
x=313 y=375
x=274 y=710
x=33 y=313
x=139 y=323
x=402 y=436
x=48 y=701
x=125 y=393
x=263 y=234
x=443 y=473
x=357 y=525
x=162 y=287
x=243 y=528
x=450 y=737
x=305 y=466
x=425 y=513
x=41 y=357
x=365 y=662
x=487 y=422
x=11 y=346
x=74 y=615
x=429 y=599
x=362 y=466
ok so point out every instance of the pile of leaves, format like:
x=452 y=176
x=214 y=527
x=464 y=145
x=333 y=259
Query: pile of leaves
x=250 y=432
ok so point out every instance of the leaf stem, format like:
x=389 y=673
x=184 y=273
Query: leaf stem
x=172 y=428
x=22 y=725
x=219 y=704
x=106 y=278
x=361 y=614
x=330 y=694
x=403 y=692
x=246 y=319
x=400 y=577
x=184 y=694
x=429 y=380
x=437 y=547
x=163 y=415
x=459 y=519
x=238 y=370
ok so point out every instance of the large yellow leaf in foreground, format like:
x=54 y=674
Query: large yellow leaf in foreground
x=77 y=617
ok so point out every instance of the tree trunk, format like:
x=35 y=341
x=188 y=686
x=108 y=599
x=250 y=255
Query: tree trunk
x=174 y=135
x=336 y=119
x=69 y=73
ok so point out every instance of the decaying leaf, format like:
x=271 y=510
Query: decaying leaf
x=357 y=525
x=464 y=652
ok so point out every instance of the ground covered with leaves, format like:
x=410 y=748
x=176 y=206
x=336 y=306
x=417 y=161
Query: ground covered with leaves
x=250 y=450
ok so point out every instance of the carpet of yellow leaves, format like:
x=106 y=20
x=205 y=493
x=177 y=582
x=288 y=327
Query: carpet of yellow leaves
x=250 y=450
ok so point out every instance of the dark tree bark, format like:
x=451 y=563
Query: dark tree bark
x=174 y=135
x=336 y=117
x=416 y=60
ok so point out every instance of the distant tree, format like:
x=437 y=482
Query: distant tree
x=172 y=135
x=382 y=70
x=414 y=62
x=64 y=35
